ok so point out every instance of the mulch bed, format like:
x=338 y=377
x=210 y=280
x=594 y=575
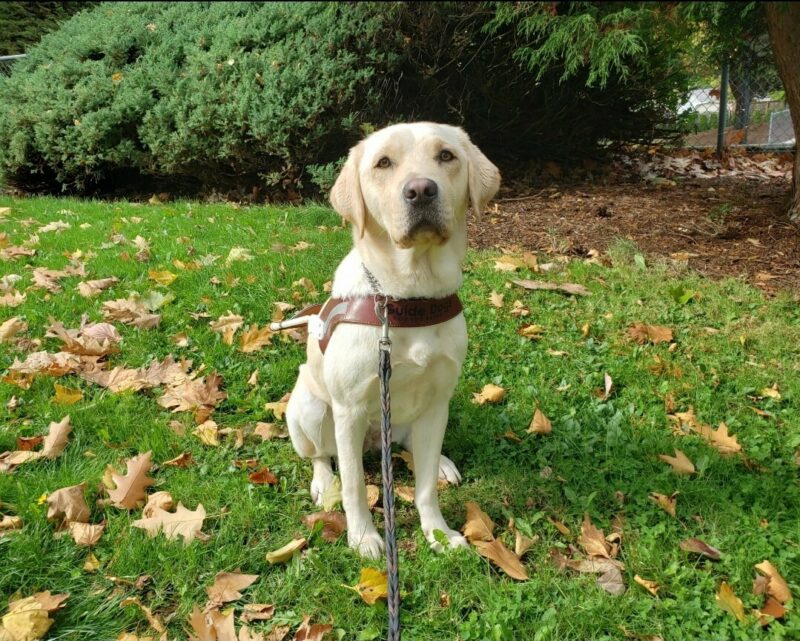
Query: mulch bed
x=730 y=225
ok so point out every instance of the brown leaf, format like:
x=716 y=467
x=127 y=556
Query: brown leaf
x=278 y=407
x=540 y=423
x=666 y=503
x=193 y=394
x=592 y=539
x=254 y=339
x=726 y=444
x=522 y=543
x=651 y=586
x=611 y=581
x=182 y=460
x=567 y=288
x=10 y=328
x=45 y=363
x=227 y=326
x=728 y=601
x=680 y=462
x=157 y=501
x=373 y=495
x=130 y=488
x=56 y=439
x=29 y=443
x=263 y=476
x=257 y=612
x=154 y=620
x=777 y=586
x=208 y=433
x=496 y=300
x=268 y=431
x=285 y=553
x=85 y=534
x=655 y=334
x=92 y=288
x=227 y=585
x=99 y=339
x=183 y=522
x=501 y=556
x=772 y=608
x=489 y=394
x=478 y=526
x=697 y=546
x=68 y=504
x=558 y=525
x=532 y=331
x=8 y=522
x=333 y=524
x=308 y=632
x=405 y=493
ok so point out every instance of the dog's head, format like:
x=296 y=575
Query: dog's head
x=415 y=182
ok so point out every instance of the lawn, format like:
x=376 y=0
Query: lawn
x=736 y=359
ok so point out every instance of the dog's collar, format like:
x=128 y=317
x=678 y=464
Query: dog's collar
x=401 y=312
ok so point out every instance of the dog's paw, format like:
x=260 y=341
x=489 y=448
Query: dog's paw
x=448 y=471
x=454 y=540
x=369 y=545
x=319 y=484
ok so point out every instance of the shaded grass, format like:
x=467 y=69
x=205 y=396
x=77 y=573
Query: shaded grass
x=749 y=507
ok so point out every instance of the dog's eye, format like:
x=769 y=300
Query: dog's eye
x=446 y=155
x=384 y=163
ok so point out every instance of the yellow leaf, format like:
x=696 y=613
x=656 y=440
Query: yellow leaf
x=28 y=621
x=777 y=586
x=66 y=395
x=278 y=407
x=666 y=503
x=540 y=423
x=655 y=334
x=208 y=433
x=373 y=494
x=651 y=586
x=489 y=394
x=508 y=264
x=91 y=564
x=680 y=462
x=404 y=492
x=372 y=585
x=771 y=392
x=729 y=602
x=285 y=553
x=534 y=332
x=254 y=339
x=163 y=277
x=116 y=76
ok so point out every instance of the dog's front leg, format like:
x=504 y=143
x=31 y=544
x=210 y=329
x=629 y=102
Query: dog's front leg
x=427 y=433
x=350 y=429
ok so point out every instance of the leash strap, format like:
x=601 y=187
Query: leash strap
x=390 y=539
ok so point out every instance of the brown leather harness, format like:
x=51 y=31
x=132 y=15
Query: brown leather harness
x=402 y=312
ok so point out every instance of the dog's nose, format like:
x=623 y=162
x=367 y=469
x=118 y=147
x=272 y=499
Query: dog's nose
x=420 y=191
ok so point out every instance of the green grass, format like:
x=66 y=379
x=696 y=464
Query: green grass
x=748 y=507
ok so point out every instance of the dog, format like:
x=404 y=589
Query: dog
x=406 y=190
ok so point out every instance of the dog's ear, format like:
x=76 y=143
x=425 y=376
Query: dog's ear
x=346 y=196
x=484 y=178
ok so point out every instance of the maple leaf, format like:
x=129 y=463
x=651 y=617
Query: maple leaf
x=10 y=328
x=372 y=585
x=130 y=488
x=162 y=277
x=728 y=601
x=611 y=581
x=726 y=444
x=157 y=501
x=68 y=503
x=308 y=632
x=182 y=522
x=85 y=534
x=263 y=476
x=285 y=553
x=227 y=326
x=333 y=524
x=253 y=339
x=48 y=364
x=680 y=462
x=268 y=431
x=496 y=299
x=257 y=612
x=28 y=619
x=193 y=394
x=489 y=394
x=666 y=503
x=592 y=539
x=227 y=585
x=478 y=526
x=776 y=585
x=92 y=288
x=93 y=340
x=540 y=424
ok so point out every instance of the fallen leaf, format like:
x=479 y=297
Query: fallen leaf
x=66 y=395
x=777 y=586
x=253 y=339
x=182 y=460
x=489 y=394
x=333 y=524
x=405 y=493
x=697 y=546
x=263 y=476
x=226 y=586
x=268 y=431
x=208 y=433
x=558 y=525
x=651 y=586
x=68 y=504
x=666 y=503
x=157 y=501
x=181 y=339
x=508 y=264
x=308 y=632
x=92 y=288
x=285 y=553
x=726 y=444
x=772 y=608
x=162 y=277
x=501 y=556
x=496 y=299
x=373 y=495
x=540 y=424
x=9 y=522
x=257 y=612
x=372 y=585
x=608 y=385
x=728 y=601
x=237 y=254
x=592 y=539
x=192 y=395
x=478 y=526
x=91 y=564
x=183 y=522
x=10 y=328
x=227 y=326
x=534 y=332
x=522 y=543
x=85 y=534
x=155 y=621
x=641 y=333
x=567 y=288
x=611 y=581
x=278 y=408
x=28 y=621
x=130 y=488
x=680 y=462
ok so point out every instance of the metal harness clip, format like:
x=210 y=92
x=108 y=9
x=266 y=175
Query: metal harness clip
x=381 y=312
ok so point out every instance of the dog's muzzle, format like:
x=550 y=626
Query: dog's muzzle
x=425 y=221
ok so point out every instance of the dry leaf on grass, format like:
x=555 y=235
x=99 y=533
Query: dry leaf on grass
x=501 y=556
x=651 y=586
x=540 y=424
x=641 y=333
x=183 y=522
x=333 y=524
x=404 y=493
x=696 y=546
x=278 y=408
x=9 y=522
x=263 y=476
x=611 y=581
x=227 y=585
x=522 y=543
x=680 y=462
x=95 y=339
x=372 y=585
x=66 y=395
x=157 y=501
x=130 y=311
x=496 y=300
x=666 y=503
x=332 y=495
x=776 y=586
x=257 y=612
x=91 y=564
x=269 y=431
x=92 y=288
x=154 y=620
x=85 y=534
x=253 y=339
x=489 y=394
x=28 y=619
x=68 y=504
x=45 y=363
x=285 y=553
x=194 y=395
x=182 y=460
x=10 y=328
x=478 y=526
x=227 y=326
x=308 y=632
x=532 y=331
x=592 y=539
x=52 y=445
x=373 y=495
x=208 y=433
x=130 y=488
x=728 y=601
x=567 y=288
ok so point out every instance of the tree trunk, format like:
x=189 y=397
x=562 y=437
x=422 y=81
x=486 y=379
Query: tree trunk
x=783 y=22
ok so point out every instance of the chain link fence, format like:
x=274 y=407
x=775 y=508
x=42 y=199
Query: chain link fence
x=746 y=107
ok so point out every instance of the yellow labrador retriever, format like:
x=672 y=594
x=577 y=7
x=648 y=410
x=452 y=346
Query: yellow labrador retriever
x=406 y=190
